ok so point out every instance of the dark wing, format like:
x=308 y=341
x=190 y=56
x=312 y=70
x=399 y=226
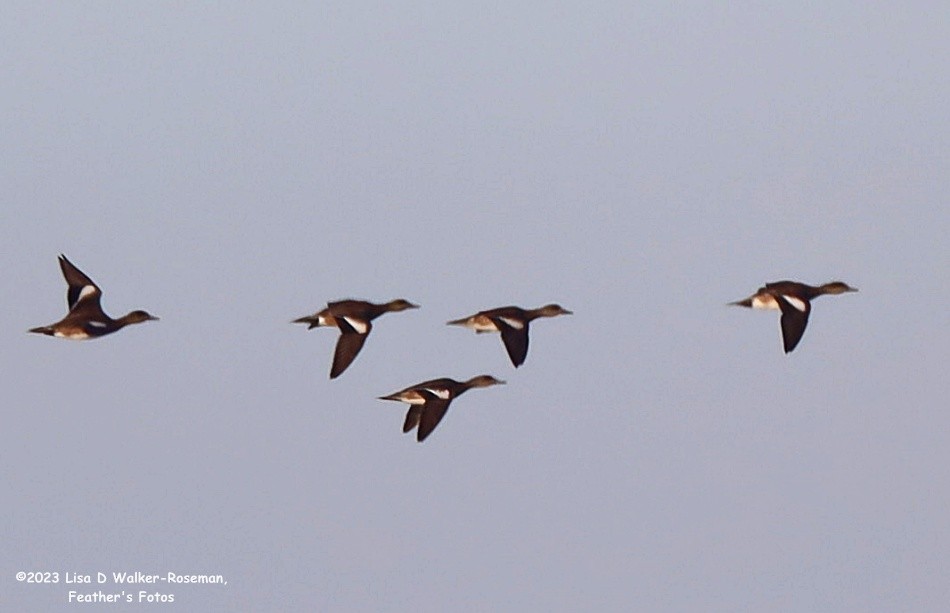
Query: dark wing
x=347 y=347
x=793 y=321
x=80 y=286
x=412 y=417
x=515 y=339
x=432 y=413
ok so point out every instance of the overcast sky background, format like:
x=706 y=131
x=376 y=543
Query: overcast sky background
x=231 y=167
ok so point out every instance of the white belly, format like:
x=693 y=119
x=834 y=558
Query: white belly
x=76 y=335
x=765 y=302
x=483 y=326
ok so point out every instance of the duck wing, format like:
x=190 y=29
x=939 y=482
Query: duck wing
x=514 y=338
x=795 y=313
x=431 y=413
x=412 y=418
x=348 y=345
x=81 y=288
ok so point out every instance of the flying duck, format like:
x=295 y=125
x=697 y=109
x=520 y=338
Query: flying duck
x=85 y=318
x=428 y=401
x=512 y=322
x=353 y=318
x=793 y=299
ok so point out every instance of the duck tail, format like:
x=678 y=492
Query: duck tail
x=743 y=303
x=311 y=321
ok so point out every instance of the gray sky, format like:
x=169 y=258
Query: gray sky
x=229 y=168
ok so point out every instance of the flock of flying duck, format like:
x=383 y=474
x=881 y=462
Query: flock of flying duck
x=428 y=401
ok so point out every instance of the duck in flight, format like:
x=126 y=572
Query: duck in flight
x=428 y=401
x=353 y=318
x=85 y=318
x=512 y=322
x=793 y=299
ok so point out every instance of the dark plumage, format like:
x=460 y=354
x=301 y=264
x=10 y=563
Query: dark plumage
x=85 y=318
x=793 y=299
x=430 y=400
x=353 y=318
x=512 y=322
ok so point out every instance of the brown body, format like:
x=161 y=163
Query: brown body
x=354 y=320
x=512 y=322
x=793 y=299
x=86 y=318
x=430 y=400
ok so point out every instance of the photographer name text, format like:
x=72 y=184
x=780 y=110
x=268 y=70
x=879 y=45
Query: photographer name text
x=136 y=578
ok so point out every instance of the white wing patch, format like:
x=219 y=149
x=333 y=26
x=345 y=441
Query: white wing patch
x=87 y=290
x=798 y=303
x=440 y=392
x=359 y=325
x=97 y=324
x=514 y=323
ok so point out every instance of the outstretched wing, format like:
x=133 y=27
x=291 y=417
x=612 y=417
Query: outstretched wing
x=81 y=287
x=432 y=413
x=412 y=417
x=348 y=346
x=515 y=340
x=795 y=313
